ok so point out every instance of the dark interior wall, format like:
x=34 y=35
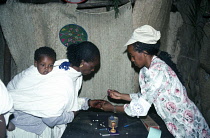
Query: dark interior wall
x=195 y=49
x=2 y=47
x=8 y=67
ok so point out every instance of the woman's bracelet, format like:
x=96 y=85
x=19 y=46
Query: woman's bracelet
x=114 y=109
x=89 y=102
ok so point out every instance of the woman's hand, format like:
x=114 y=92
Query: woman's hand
x=114 y=94
x=119 y=96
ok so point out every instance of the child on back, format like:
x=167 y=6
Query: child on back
x=44 y=59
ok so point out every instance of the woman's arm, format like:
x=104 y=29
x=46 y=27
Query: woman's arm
x=107 y=106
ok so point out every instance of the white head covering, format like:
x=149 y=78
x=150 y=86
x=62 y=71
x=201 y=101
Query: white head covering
x=145 y=34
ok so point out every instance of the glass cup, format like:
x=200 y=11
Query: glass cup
x=113 y=121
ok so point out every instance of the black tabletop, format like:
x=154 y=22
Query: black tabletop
x=94 y=124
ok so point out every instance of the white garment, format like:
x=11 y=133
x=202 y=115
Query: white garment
x=55 y=132
x=138 y=107
x=6 y=102
x=46 y=95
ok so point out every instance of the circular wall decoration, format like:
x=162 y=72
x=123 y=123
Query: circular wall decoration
x=72 y=34
x=74 y=1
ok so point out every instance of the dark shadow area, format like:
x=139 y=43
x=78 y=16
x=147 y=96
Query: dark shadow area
x=136 y=69
x=152 y=110
x=3 y=1
x=10 y=118
x=89 y=76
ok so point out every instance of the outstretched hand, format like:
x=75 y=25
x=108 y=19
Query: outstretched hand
x=114 y=94
x=101 y=104
x=96 y=103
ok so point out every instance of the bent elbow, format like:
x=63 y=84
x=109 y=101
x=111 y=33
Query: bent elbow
x=49 y=122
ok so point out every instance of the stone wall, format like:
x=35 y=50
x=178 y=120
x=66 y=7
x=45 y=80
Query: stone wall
x=204 y=74
x=193 y=59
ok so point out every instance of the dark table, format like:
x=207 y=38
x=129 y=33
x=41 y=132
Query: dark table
x=90 y=124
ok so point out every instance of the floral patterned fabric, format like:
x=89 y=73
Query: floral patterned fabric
x=160 y=86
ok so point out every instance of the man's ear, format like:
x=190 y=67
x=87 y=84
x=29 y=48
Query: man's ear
x=82 y=63
x=35 y=63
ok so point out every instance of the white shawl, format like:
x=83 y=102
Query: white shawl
x=46 y=95
x=6 y=102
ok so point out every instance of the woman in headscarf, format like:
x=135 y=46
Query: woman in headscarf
x=160 y=85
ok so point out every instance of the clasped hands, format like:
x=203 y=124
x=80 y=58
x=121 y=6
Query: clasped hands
x=103 y=104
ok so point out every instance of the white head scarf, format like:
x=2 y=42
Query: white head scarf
x=145 y=34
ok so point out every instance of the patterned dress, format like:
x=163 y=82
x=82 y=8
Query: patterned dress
x=160 y=86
